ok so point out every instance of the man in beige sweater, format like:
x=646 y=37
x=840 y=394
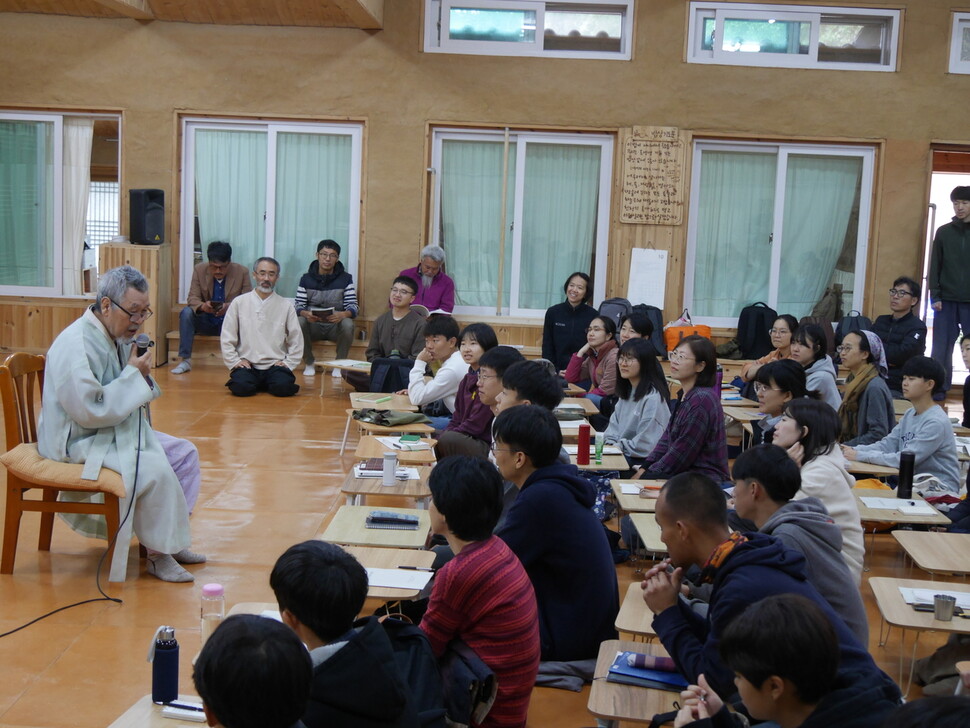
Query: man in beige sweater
x=261 y=338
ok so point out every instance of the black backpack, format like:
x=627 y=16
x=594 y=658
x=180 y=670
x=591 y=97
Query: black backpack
x=656 y=317
x=753 y=325
x=417 y=663
x=850 y=322
x=616 y=309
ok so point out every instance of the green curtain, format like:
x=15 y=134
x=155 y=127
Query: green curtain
x=230 y=190
x=27 y=203
x=313 y=174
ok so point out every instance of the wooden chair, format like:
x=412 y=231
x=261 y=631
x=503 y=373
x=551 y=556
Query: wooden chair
x=21 y=381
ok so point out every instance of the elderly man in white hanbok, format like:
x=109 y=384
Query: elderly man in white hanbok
x=94 y=411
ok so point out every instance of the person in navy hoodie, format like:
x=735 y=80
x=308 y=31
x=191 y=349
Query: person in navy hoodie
x=553 y=531
x=742 y=568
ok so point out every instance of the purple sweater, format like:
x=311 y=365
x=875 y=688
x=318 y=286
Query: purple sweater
x=440 y=295
x=471 y=416
x=694 y=439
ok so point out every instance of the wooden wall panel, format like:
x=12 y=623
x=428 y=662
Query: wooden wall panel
x=31 y=326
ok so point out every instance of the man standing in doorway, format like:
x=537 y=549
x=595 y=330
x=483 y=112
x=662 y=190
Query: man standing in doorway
x=950 y=283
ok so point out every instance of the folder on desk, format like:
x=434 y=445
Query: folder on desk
x=622 y=672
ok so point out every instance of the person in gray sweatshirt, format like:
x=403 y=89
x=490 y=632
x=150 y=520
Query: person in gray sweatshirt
x=808 y=349
x=765 y=481
x=925 y=430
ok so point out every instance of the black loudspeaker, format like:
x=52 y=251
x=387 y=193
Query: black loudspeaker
x=147 y=211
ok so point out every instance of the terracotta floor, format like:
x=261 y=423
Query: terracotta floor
x=271 y=477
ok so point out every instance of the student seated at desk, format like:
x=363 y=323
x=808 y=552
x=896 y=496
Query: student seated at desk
x=742 y=568
x=482 y=596
x=635 y=326
x=694 y=438
x=776 y=384
x=321 y=589
x=491 y=368
x=867 y=413
x=469 y=432
x=642 y=411
x=924 y=430
x=440 y=345
x=808 y=349
x=553 y=531
x=781 y=333
x=253 y=672
x=785 y=657
x=596 y=360
x=809 y=430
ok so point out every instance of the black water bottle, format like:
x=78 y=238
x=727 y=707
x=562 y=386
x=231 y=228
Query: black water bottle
x=164 y=656
x=907 y=464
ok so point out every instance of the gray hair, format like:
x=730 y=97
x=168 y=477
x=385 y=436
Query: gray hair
x=114 y=284
x=435 y=252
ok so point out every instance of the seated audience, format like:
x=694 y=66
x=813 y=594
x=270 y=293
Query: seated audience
x=440 y=345
x=482 y=596
x=321 y=589
x=553 y=531
x=491 y=368
x=436 y=291
x=469 y=432
x=902 y=332
x=784 y=653
x=326 y=285
x=642 y=410
x=781 y=332
x=924 y=430
x=866 y=413
x=396 y=333
x=596 y=360
x=694 y=438
x=777 y=383
x=252 y=672
x=635 y=326
x=808 y=349
x=528 y=382
x=766 y=480
x=809 y=431
x=742 y=568
x=214 y=285
x=565 y=324
x=261 y=338
x=952 y=711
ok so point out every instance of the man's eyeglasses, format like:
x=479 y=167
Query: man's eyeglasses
x=134 y=317
x=402 y=291
x=482 y=376
x=494 y=448
x=899 y=292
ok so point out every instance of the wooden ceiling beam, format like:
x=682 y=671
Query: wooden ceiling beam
x=365 y=14
x=137 y=9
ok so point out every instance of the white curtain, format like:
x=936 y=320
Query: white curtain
x=313 y=175
x=820 y=192
x=78 y=135
x=230 y=190
x=733 y=253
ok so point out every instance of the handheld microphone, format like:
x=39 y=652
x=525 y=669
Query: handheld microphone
x=142 y=344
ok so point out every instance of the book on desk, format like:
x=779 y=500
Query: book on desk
x=621 y=671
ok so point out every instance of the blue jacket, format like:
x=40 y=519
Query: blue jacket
x=563 y=547
x=754 y=570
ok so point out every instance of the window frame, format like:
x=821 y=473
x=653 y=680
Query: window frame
x=350 y=254
x=437 y=42
x=700 y=10
x=606 y=142
x=959 y=22
x=786 y=149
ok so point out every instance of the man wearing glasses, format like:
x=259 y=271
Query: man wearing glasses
x=903 y=333
x=96 y=391
x=326 y=302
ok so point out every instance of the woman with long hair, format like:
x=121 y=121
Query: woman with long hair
x=596 y=360
x=808 y=349
x=642 y=411
x=776 y=384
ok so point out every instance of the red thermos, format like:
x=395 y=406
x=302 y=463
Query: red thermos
x=582 y=454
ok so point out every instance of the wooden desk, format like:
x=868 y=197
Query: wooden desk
x=415 y=428
x=573 y=390
x=743 y=414
x=634 y=503
x=635 y=616
x=587 y=404
x=882 y=515
x=610 y=462
x=879 y=471
x=937 y=553
x=354 y=364
x=898 y=613
x=370 y=447
x=399 y=402
x=900 y=406
x=649 y=532
x=145 y=714
x=357 y=489
x=614 y=701
x=347 y=528
x=736 y=402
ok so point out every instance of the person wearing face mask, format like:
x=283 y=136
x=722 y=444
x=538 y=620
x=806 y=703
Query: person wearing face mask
x=781 y=332
x=564 y=328
x=596 y=360
x=867 y=413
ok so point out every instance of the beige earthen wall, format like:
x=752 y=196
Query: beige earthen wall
x=156 y=71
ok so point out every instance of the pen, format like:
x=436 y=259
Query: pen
x=415 y=568
x=185 y=706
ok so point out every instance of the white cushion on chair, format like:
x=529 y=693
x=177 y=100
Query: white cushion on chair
x=26 y=462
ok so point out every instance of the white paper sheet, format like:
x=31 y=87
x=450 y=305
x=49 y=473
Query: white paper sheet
x=398 y=578
x=647 y=282
x=629 y=489
x=909 y=507
x=348 y=363
x=925 y=596
x=401 y=474
x=394 y=443
x=607 y=449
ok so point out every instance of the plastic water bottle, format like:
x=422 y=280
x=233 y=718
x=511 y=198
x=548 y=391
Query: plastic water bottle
x=213 y=609
x=600 y=441
x=164 y=656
